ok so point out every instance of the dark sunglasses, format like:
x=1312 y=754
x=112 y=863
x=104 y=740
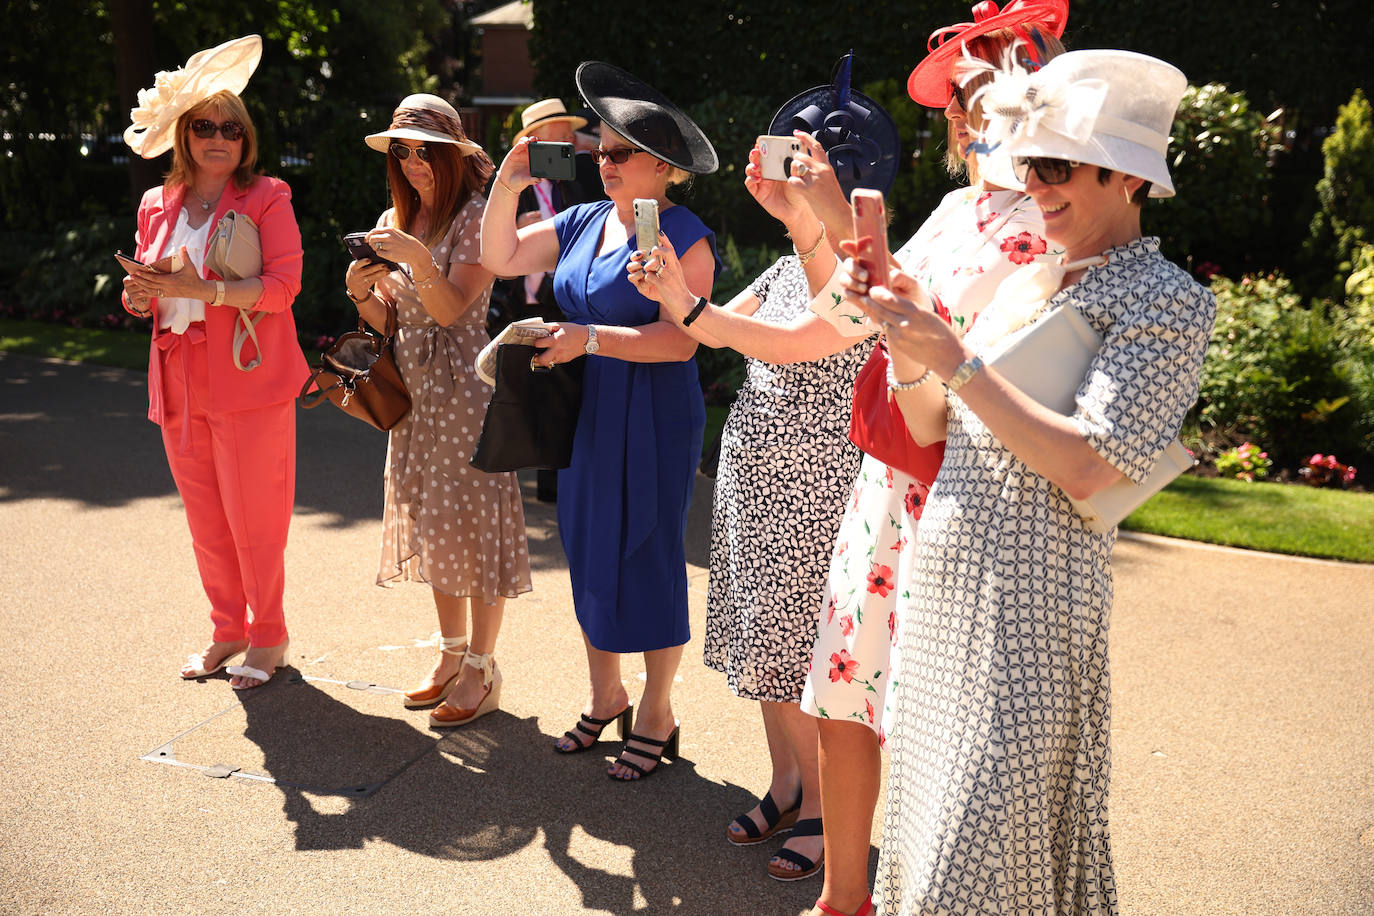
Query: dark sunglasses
x=958 y=92
x=204 y=128
x=619 y=156
x=1049 y=171
x=402 y=152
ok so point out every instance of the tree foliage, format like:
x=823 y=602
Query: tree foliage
x=1344 y=221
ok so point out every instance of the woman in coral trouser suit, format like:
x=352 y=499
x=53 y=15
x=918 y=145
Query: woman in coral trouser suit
x=229 y=431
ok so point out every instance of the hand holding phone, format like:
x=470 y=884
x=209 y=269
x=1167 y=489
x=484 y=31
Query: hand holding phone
x=870 y=235
x=358 y=246
x=776 y=154
x=646 y=224
x=552 y=160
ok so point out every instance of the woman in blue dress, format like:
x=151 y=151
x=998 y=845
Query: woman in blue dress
x=622 y=506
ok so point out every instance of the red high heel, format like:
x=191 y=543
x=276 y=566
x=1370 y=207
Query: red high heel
x=863 y=910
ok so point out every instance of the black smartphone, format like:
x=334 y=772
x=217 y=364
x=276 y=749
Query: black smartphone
x=552 y=160
x=357 y=245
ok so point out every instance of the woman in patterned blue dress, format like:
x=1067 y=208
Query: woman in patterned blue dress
x=1000 y=760
x=622 y=505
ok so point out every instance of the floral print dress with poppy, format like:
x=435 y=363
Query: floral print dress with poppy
x=972 y=242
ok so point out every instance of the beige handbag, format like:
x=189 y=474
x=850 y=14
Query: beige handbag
x=1048 y=361
x=235 y=253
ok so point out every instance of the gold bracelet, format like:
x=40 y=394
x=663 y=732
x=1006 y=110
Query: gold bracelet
x=429 y=281
x=804 y=256
x=502 y=184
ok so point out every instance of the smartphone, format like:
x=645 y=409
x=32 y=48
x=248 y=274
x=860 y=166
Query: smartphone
x=646 y=224
x=870 y=234
x=170 y=264
x=552 y=160
x=777 y=153
x=358 y=246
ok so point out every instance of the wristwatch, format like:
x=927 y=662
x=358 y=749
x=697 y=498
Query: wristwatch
x=592 y=345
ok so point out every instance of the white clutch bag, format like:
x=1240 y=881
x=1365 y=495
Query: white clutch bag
x=1048 y=361
x=517 y=332
x=235 y=253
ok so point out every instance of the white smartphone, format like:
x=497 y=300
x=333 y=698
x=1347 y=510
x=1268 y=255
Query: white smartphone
x=777 y=153
x=646 y=224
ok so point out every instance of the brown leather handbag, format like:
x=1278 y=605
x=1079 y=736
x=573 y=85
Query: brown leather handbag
x=359 y=375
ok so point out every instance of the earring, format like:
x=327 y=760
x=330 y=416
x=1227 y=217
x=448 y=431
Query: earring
x=1127 y=192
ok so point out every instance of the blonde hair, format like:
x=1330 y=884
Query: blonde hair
x=225 y=106
x=992 y=48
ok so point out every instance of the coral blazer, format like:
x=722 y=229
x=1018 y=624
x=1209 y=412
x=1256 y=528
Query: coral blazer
x=283 y=370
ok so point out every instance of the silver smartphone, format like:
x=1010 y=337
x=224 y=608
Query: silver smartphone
x=646 y=224
x=777 y=153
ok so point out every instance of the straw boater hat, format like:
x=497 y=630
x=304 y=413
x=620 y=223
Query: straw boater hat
x=546 y=112
x=644 y=116
x=1109 y=108
x=929 y=83
x=859 y=137
x=426 y=118
x=223 y=68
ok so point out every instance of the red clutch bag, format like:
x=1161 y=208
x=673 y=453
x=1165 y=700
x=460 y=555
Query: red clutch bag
x=877 y=427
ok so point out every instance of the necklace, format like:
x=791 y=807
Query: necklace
x=205 y=204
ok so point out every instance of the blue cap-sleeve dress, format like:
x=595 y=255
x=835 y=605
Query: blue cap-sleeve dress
x=622 y=502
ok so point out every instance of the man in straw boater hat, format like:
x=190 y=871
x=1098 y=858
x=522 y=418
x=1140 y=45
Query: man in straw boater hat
x=532 y=296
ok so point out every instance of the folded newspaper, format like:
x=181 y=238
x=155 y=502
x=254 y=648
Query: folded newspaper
x=518 y=332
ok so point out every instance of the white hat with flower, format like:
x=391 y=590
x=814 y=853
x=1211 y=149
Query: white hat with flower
x=1102 y=107
x=223 y=68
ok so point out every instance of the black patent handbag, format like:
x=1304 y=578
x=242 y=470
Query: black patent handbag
x=532 y=416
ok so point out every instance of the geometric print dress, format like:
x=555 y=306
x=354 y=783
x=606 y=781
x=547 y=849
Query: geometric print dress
x=999 y=752
x=972 y=242
x=786 y=468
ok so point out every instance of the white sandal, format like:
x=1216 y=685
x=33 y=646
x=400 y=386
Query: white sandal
x=262 y=677
x=434 y=694
x=195 y=665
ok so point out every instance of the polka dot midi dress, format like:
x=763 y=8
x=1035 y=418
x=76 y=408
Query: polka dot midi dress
x=1000 y=761
x=445 y=523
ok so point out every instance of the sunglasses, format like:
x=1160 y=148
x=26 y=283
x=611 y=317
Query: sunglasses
x=1049 y=171
x=959 y=96
x=402 y=152
x=204 y=128
x=619 y=156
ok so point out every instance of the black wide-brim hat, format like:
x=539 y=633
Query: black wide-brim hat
x=645 y=117
x=860 y=140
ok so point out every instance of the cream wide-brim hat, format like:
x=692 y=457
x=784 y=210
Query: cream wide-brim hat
x=420 y=104
x=223 y=68
x=1100 y=107
x=546 y=111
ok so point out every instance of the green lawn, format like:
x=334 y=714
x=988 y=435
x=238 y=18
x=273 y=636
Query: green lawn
x=1281 y=518
x=1260 y=516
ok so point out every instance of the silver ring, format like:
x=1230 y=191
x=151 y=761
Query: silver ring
x=659 y=271
x=802 y=169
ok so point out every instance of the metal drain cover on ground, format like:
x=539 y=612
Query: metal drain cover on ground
x=327 y=737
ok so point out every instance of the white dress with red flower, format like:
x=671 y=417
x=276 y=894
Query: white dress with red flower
x=972 y=242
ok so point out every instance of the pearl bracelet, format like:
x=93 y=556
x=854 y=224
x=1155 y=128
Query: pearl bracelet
x=895 y=385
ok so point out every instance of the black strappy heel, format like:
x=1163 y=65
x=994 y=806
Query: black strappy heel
x=775 y=821
x=624 y=717
x=667 y=749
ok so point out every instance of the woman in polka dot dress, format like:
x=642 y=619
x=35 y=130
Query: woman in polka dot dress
x=444 y=523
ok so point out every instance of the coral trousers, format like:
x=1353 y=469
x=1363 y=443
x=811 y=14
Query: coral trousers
x=236 y=473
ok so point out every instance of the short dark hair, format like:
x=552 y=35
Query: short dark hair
x=1141 y=195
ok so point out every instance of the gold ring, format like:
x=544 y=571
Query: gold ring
x=802 y=169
